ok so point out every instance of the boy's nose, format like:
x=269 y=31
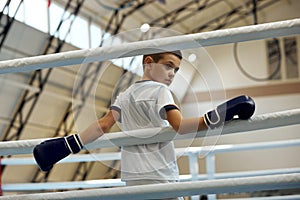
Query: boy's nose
x=172 y=73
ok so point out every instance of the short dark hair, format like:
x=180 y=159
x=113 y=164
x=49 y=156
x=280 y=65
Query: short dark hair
x=157 y=56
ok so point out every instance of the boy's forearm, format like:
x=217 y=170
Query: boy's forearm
x=91 y=133
x=99 y=127
x=185 y=125
x=191 y=125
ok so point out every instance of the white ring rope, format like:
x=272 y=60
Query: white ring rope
x=167 y=190
x=145 y=136
x=232 y=35
x=186 y=151
x=101 y=183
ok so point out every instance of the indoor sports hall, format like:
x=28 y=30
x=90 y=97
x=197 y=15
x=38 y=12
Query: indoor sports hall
x=65 y=63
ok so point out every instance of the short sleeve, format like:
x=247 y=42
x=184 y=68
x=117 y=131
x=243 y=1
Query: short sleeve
x=165 y=100
x=117 y=107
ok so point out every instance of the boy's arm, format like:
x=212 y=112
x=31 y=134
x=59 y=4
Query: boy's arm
x=99 y=127
x=242 y=106
x=181 y=125
x=51 y=151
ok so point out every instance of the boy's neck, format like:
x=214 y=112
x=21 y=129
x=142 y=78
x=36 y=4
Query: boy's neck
x=145 y=78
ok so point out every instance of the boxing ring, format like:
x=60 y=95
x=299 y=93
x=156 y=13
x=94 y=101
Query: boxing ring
x=191 y=186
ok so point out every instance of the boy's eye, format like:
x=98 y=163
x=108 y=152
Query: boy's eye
x=170 y=67
x=176 y=69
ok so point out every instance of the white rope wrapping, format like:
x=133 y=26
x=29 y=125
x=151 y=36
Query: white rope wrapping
x=160 y=191
x=89 y=184
x=146 y=136
x=232 y=35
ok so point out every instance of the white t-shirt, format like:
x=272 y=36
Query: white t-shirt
x=141 y=106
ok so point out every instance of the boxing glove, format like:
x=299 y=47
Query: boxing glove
x=242 y=106
x=51 y=151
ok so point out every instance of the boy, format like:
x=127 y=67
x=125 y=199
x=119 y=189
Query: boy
x=146 y=104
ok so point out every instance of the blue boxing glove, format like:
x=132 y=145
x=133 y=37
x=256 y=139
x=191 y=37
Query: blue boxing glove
x=242 y=106
x=51 y=151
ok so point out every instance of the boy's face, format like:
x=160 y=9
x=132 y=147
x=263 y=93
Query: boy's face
x=164 y=70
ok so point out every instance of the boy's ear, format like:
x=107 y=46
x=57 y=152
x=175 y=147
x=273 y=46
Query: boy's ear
x=148 y=60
